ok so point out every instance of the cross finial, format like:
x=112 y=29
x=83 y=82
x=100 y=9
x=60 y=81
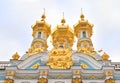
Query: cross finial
x=44 y=11
x=82 y=15
x=63 y=14
x=63 y=20
x=43 y=16
x=81 y=10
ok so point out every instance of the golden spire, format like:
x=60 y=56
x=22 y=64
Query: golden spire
x=82 y=15
x=43 y=16
x=16 y=56
x=63 y=20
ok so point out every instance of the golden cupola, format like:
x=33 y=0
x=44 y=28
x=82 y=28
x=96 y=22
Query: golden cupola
x=62 y=36
x=41 y=31
x=83 y=32
x=62 y=39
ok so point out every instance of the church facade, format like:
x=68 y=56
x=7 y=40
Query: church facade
x=61 y=64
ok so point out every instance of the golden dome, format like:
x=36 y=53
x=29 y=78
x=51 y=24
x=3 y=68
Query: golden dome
x=16 y=56
x=62 y=35
x=105 y=56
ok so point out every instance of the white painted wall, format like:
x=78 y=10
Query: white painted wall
x=25 y=81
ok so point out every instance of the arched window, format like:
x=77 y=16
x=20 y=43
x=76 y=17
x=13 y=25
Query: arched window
x=84 y=34
x=39 y=35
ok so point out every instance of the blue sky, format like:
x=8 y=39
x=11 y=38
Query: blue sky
x=17 y=16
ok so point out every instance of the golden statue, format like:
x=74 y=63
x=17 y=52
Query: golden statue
x=16 y=56
x=105 y=56
x=8 y=80
x=110 y=80
x=42 y=80
x=76 y=80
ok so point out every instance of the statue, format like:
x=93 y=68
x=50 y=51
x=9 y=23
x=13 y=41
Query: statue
x=8 y=80
x=42 y=80
x=110 y=80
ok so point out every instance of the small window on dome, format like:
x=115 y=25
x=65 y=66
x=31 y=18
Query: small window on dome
x=39 y=35
x=84 y=34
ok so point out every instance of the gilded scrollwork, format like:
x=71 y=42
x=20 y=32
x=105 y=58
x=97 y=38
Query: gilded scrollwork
x=110 y=80
x=16 y=56
x=76 y=80
x=42 y=80
x=60 y=59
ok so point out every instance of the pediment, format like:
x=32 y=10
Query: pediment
x=85 y=61
x=34 y=61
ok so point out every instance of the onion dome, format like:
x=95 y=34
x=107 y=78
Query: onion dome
x=63 y=21
x=82 y=16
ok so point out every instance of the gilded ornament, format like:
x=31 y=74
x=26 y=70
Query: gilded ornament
x=8 y=80
x=60 y=59
x=105 y=56
x=44 y=72
x=36 y=65
x=108 y=73
x=10 y=73
x=92 y=76
x=84 y=66
x=85 y=51
x=76 y=72
x=42 y=80
x=16 y=56
x=26 y=76
x=110 y=80
x=59 y=76
x=62 y=39
x=76 y=80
